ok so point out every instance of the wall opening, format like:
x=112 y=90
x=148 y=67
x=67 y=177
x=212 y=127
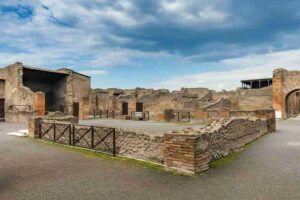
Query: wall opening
x=124 y=108
x=2 y=110
x=51 y=83
x=293 y=103
x=139 y=107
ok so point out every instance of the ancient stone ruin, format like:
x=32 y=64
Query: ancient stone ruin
x=26 y=91
x=54 y=100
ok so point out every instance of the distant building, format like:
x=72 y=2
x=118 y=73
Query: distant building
x=256 y=83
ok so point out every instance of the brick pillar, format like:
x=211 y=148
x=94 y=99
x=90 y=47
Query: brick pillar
x=278 y=96
x=84 y=108
x=182 y=153
x=40 y=103
x=33 y=127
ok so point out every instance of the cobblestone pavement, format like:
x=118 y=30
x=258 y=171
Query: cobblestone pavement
x=268 y=169
x=150 y=126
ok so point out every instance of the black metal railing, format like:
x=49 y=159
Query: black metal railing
x=97 y=138
x=145 y=116
x=2 y=113
x=20 y=108
x=182 y=116
x=107 y=114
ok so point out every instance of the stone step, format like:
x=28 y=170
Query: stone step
x=23 y=131
x=17 y=134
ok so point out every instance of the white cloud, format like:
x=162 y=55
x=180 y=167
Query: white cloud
x=93 y=72
x=195 y=12
x=249 y=67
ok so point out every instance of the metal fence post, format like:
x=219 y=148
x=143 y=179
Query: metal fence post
x=40 y=130
x=114 y=142
x=92 y=137
x=70 y=135
x=54 y=132
x=178 y=116
x=73 y=134
x=106 y=113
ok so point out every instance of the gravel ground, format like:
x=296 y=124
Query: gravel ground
x=152 y=127
x=268 y=169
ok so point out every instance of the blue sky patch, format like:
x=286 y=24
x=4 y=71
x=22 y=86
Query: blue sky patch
x=21 y=11
x=158 y=44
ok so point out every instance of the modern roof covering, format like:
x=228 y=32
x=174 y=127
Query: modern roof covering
x=257 y=83
x=261 y=79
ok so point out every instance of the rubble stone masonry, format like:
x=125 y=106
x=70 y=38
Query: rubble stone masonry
x=190 y=151
x=187 y=151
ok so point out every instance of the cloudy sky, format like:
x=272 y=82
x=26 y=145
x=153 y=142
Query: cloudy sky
x=159 y=44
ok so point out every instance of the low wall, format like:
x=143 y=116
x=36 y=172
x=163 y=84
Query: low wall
x=139 y=145
x=18 y=117
x=268 y=114
x=129 y=143
x=211 y=115
x=190 y=151
x=187 y=151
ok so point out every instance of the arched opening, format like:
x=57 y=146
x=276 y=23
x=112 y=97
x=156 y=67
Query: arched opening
x=293 y=103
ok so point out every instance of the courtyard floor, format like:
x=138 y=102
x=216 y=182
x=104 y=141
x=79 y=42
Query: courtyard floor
x=29 y=169
x=152 y=127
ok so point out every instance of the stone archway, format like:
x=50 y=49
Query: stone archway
x=285 y=86
x=292 y=102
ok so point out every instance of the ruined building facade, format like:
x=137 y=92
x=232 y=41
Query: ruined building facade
x=27 y=91
x=281 y=93
x=286 y=93
x=202 y=103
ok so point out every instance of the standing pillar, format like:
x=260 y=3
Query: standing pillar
x=40 y=103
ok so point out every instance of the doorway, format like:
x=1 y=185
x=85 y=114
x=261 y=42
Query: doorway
x=139 y=107
x=2 y=110
x=124 y=108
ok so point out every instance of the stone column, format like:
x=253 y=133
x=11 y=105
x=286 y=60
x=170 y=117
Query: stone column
x=40 y=103
x=182 y=153
x=33 y=127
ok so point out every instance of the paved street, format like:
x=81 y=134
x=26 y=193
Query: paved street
x=268 y=169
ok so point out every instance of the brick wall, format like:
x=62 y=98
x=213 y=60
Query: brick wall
x=190 y=151
x=284 y=82
x=187 y=151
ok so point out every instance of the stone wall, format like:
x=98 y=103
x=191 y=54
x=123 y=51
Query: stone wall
x=187 y=151
x=129 y=143
x=139 y=145
x=78 y=89
x=195 y=100
x=284 y=83
x=19 y=116
x=190 y=151
x=268 y=114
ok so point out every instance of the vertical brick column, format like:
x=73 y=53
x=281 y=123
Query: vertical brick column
x=33 y=127
x=84 y=108
x=40 y=103
x=131 y=106
x=278 y=97
x=182 y=153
